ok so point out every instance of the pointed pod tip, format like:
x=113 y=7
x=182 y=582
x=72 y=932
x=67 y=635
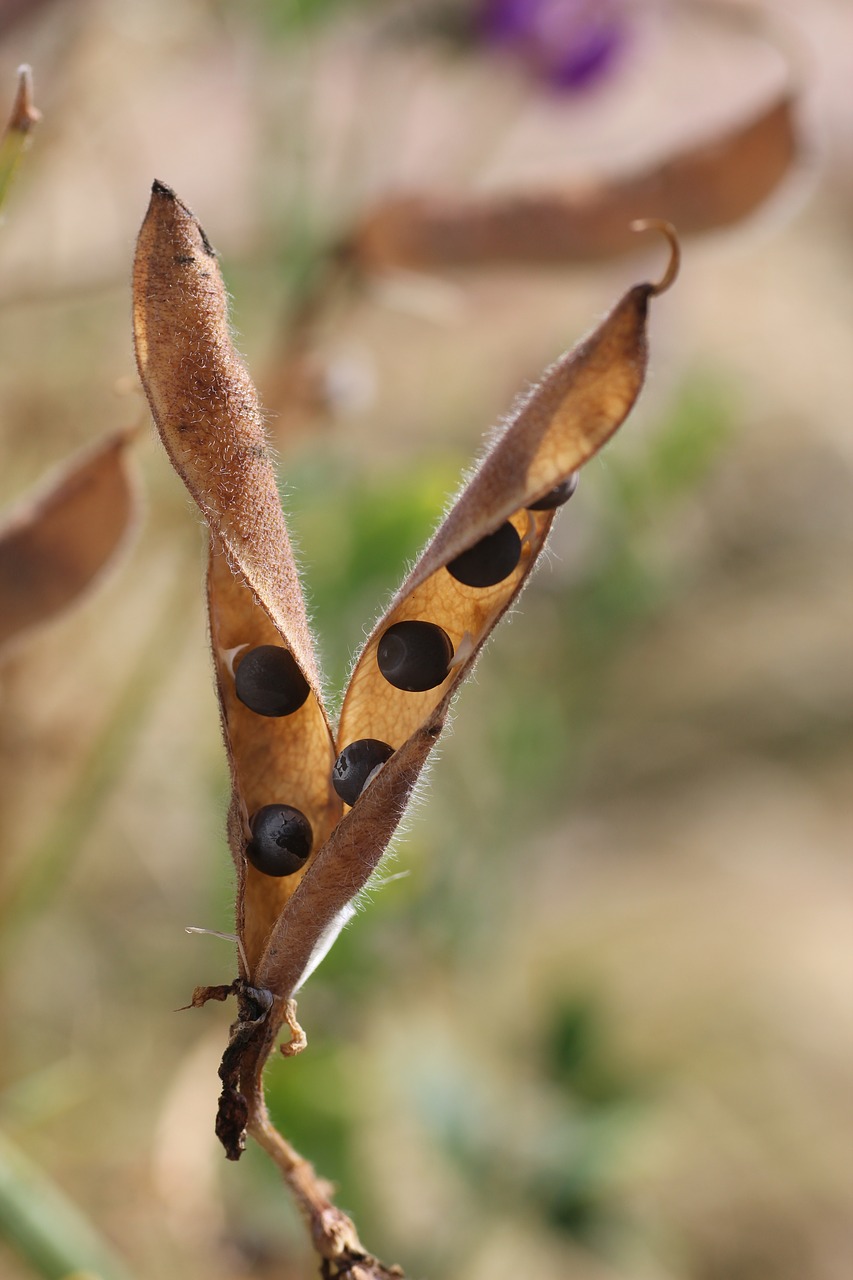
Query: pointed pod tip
x=24 y=112
x=667 y=230
x=160 y=190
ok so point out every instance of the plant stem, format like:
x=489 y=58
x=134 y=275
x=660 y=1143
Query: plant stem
x=333 y=1234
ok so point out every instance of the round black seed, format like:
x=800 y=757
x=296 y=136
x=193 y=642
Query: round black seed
x=281 y=840
x=268 y=681
x=490 y=560
x=355 y=764
x=557 y=496
x=414 y=656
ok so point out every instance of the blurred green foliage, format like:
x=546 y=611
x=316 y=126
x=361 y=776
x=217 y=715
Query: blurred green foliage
x=44 y=1226
x=285 y=17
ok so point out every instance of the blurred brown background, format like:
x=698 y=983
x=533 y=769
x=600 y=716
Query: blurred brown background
x=602 y=1029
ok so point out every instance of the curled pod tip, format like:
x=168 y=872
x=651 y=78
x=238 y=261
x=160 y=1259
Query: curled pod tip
x=667 y=230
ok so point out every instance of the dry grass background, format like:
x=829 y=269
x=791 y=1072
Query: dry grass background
x=680 y=880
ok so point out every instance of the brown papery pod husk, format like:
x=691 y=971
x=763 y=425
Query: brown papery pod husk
x=55 y=545
x=715 y=183
x=559 y=426
x=273 y=760
x=207 y=410
x=208 y=415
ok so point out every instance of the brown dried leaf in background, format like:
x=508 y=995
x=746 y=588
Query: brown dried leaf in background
x=209 y=418
x=54 y=546
x=469 y=575
x=713 y=184
x=14 y=12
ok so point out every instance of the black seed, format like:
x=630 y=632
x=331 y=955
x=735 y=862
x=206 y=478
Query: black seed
x=269 y=682
x=414 y=656
x=355 y=764
x=558 y=495
x=490 y=560
x=282 y=839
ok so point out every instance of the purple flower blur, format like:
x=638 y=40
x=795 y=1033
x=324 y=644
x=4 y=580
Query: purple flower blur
x=569 y=43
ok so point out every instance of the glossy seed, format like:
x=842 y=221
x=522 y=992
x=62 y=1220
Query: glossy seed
x=558 y=495
x=414 y=656
x=490 y=560
x=269 y=682
x=281 y=840
x=355 y=764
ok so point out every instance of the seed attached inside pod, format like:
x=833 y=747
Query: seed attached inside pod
x=269 y=682
x=490 y=560
x=282 y=839
x=355 y=764
x=414 y=656
x=558 y=495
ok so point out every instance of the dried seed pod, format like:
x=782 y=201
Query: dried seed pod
x=273 y=758
x=715 y=183
x=56 y=544
x=210 y=420
x=299 y=863
x=207 y=410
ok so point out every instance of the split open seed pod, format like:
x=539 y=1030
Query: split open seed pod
x=312 y=814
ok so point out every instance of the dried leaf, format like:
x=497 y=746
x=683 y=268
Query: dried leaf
x=713 y=184
x=54 y=546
